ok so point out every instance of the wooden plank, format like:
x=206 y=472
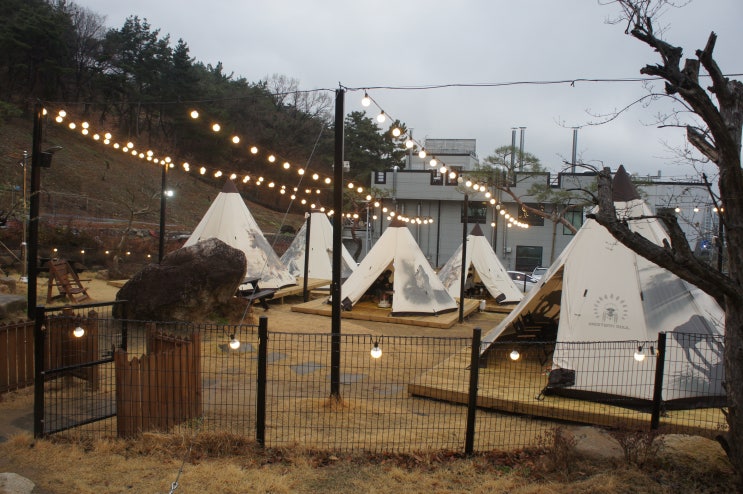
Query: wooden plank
x=12 y=352
x=4 y=378
x=368 y=311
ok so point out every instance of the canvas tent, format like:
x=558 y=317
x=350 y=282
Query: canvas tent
x=416 y=288
x=229 y=220
x=481 y=259
x=320 y=259
x=600 y=291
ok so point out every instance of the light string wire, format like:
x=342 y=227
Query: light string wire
x=284 y=218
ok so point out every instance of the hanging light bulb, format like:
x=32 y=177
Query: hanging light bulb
x=639 y=354
x=194 y=114
x=396 y=132
x=514 y=355
x=381 y=117
x=216 y=127
x=409 y=143
x=366 y=100
x=78 y=332
x=234 y=342
x=433 y=162
x=422 y=153
x=376 y=352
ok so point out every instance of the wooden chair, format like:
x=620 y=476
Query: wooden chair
x=62 y=276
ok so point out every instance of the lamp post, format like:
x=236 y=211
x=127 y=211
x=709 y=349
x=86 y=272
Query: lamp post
x=39 y=159
x=164 y=194
x=24 y=242
x=335 y=286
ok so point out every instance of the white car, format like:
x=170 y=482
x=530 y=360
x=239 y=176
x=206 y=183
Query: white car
x=523 y=281
x=538 y=272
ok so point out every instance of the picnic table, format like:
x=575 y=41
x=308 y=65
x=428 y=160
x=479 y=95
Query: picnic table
x=250 y=290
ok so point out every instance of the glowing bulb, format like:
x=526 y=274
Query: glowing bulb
x=376 y=352
x=234 y=342
x=433 y=162
x=62 y=113
x=78 y=332
x=286 y=165
x=678 y=209
x=381 y=117
x=396 y=132
x=216 y=127
x=253 y=150
x=366 y=100
x=442 y=170
x=235 y=139
x=409 y=143
x=271 y=158
x=422 y=153
x=194 y=114
x=360 y=190
x=639 y=354
x=514 y=355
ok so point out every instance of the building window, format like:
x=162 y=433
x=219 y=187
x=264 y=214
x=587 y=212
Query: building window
x=476 y=212
x=457 y=171
x=575 y=217
x=380 y=178
x=528 y=257
x=530 y=218
x=436 y=178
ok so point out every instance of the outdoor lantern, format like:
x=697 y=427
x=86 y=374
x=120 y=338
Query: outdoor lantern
x=376 y=352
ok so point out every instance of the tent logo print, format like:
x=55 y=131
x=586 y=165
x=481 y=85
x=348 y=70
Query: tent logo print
x=610 y=311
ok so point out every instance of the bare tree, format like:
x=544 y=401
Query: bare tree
x=713 y=127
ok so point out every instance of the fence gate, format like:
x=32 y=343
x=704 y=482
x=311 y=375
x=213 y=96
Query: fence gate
x=74 y=367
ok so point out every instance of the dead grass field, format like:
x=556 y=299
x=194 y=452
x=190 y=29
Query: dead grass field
x=222 y=462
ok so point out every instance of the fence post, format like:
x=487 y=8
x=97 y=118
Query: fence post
x=260 y=399
x=39 y=351
x=469 y=441
x=658 y=387
x=124 y=327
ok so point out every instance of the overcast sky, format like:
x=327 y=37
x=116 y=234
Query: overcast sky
x=324 y=43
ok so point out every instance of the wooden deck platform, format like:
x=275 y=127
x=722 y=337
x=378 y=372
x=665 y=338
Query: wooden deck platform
x=312 y=284
x=368 y=311
x=515 y=386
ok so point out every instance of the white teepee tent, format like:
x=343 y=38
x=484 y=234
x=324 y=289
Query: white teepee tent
x=229 y=220
x=320 y=263
x=481 y=258
x=600 y=291
x=417 y=289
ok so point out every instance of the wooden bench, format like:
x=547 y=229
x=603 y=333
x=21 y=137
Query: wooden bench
x=67 y=282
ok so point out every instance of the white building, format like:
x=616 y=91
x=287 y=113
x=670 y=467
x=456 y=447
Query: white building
x=422 y=191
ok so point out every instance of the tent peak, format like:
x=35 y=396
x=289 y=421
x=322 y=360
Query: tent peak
x=623 y=189
x=396 y=223
x=477 y=231
x=229 y=187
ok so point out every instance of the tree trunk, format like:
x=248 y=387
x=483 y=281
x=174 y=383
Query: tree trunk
x=733 y=441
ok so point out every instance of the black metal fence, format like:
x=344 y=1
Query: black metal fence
x=421 y=393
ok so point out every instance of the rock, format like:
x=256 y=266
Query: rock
x=10 y=283
x=190 y=284
x=10 y=304
x=12 y=483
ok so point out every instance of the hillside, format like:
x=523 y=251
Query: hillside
x=92 y=187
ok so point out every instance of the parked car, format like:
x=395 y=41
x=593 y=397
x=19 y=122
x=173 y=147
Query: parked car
x=538 y=272
x=523 y=281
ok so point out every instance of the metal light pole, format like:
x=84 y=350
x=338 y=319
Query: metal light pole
x=164 y=182
x=38 y=160
x=463 y=272
x=24 y=242
x=335 y=286
x=33 y=216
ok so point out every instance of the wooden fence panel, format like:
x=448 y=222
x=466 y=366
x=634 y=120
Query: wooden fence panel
x=16 y=355
x=161 y=389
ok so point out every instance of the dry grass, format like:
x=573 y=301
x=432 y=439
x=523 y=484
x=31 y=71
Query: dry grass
x=212 y=462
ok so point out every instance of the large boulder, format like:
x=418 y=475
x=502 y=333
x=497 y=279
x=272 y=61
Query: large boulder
x=190 y=284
